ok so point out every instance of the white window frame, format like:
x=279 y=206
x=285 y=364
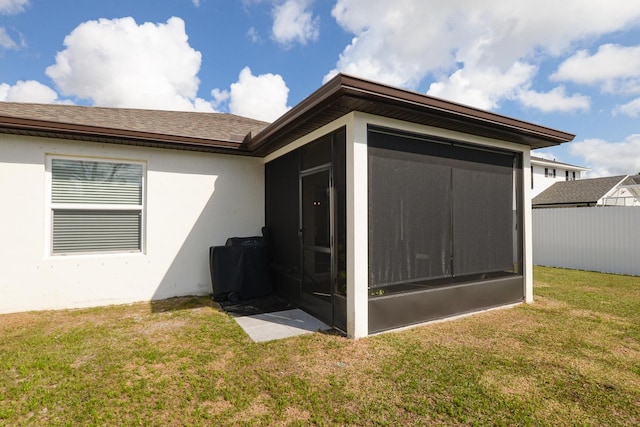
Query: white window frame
x=52 y=207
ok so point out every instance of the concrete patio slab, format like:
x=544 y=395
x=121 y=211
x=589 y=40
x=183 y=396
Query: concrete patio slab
x=280 y=324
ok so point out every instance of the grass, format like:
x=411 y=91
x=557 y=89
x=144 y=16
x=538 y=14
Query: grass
x=572 y=358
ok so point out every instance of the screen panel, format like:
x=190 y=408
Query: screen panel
x=282 y=210
x=409 y=213
x=440 y=212
x=483 y=226
x=340 y=189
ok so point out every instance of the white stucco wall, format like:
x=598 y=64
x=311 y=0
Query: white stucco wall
x=193 y=201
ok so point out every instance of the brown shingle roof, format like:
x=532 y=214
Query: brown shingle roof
x=581 y=192
x=178 y=127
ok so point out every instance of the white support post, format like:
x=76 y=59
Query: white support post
x=527 y=234
x=357 y=230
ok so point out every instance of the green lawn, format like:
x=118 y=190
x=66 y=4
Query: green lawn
x=572 y=358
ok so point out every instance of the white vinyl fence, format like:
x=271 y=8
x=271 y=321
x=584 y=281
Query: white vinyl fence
x=605 y=239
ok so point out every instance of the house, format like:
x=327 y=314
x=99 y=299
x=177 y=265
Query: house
x=545 y=173
x=627 y=193
x=621 y=190
x=386 y=207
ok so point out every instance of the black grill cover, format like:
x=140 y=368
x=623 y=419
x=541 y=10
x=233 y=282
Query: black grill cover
x=240 y=269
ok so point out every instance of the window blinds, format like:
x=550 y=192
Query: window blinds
x=90 y=182
x=95 y=231
x=96 y=206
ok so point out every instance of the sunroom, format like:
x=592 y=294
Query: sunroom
x=387 y=208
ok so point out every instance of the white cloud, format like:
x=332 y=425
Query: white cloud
x=609 y=158
x=631 y=109
x=615 y=68
x=555 y=100
x=293 y=22
x=484 y=87
x=196 y=3
x=6 y=42
x=220 y=97
x=461 y=43
x=118 y=63
x=28 y=91
x=262 y=97
x=253 y=35
x=11 y=7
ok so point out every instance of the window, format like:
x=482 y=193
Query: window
x=532 y=177
x=554 y=173
x=96 y=206
x=566 y=175
x=546 y=172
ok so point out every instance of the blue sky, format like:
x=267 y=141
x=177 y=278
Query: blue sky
x=572 y=65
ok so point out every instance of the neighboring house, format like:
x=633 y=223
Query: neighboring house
x=606 y=191
x=627 y=193
x=385 y=207
x=545 y=173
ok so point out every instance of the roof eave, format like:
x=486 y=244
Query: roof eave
x=433 y=104
x=545 y=162
x=349 y=86
x=33 y=127
x=327 y=92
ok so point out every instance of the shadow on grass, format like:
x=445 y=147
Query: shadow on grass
x=333 y=333
x=256 y=306
x=183 y=303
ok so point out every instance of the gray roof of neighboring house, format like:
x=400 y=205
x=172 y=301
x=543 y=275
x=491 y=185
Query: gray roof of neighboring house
x=632 y=180
x=579 y=192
